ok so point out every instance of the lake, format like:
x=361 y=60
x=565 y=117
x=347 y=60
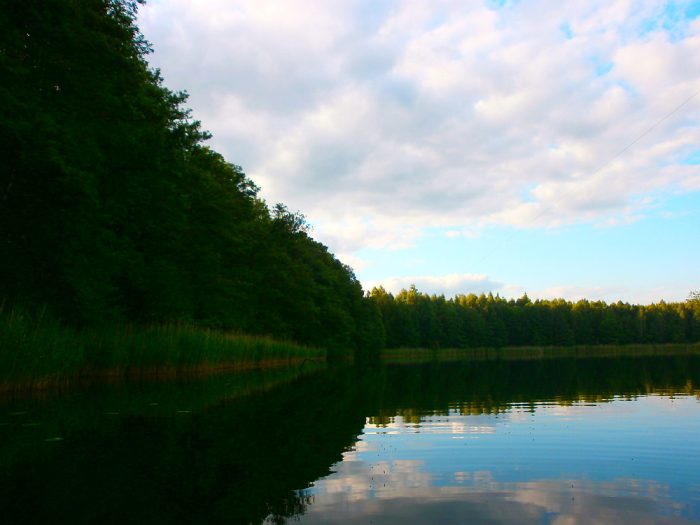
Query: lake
x=561 y=440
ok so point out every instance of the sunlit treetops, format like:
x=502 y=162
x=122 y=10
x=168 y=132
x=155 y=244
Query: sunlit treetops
x=414 y=319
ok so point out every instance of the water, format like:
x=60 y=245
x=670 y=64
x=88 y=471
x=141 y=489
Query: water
x=622 y=461
x=614 y=440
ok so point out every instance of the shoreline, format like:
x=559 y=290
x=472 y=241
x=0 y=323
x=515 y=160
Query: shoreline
x=408 y=355
x=118 y=374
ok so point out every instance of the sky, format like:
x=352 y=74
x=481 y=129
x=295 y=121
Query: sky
x=510 y=146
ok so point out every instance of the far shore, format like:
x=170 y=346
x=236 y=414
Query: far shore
x=412 y=355
x=92 y=375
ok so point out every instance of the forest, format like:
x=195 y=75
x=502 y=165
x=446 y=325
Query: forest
x=114 y=211
x=414 y=319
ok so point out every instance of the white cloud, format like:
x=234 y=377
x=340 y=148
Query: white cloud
x=454 y=284
x=449 y=285
x=377 y=119
x=575 y=293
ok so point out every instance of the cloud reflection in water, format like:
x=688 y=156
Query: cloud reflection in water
x=414 y=472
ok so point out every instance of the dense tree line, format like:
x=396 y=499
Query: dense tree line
x=415 y=319
x=113 y=209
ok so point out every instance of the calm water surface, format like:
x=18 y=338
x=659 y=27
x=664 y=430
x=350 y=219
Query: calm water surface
x=595 y=440
x=614 y=461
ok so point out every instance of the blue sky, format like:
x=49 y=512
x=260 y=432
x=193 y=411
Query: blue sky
x=462 y=146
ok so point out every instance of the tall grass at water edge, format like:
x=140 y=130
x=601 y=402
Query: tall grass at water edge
x=35 y=347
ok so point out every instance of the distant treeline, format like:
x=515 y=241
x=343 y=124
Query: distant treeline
x=113 y=210
x=414 y=319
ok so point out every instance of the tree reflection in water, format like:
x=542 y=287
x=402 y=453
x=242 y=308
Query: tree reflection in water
x=251 y=459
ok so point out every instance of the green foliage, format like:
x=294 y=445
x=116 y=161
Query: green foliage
x=114 y=211
x=413 y=319
x=36 y=348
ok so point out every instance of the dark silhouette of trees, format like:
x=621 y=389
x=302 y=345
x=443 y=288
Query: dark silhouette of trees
x=416 y=319
x=115 y=210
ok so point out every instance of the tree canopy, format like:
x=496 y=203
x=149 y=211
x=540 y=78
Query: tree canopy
x=414 y=319
x=114 y=209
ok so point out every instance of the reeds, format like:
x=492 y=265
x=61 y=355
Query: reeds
x=36 y=348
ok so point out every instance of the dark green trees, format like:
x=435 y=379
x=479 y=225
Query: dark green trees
x=113 y=210
x=94 y=149
x=413 y=319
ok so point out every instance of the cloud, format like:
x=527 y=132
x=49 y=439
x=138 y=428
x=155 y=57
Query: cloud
x=592 y=293
x=453 y=284
x=404 y=491
x=449 y=285
x=379 y=119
